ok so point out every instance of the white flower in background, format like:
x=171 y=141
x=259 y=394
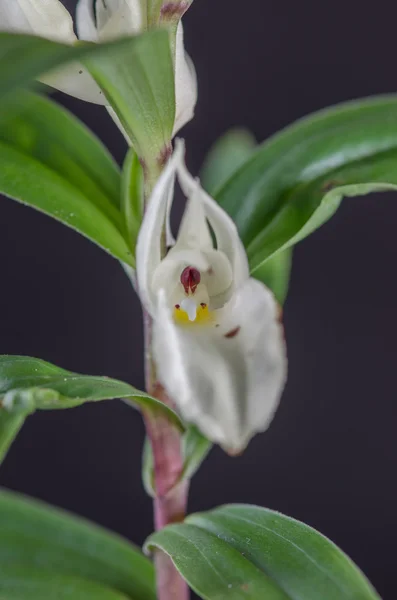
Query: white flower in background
x=217 y=341
x=96 y=21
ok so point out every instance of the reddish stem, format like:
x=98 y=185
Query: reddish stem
x=170 y=502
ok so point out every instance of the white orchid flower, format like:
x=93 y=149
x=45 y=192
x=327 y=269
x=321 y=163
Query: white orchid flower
x=217 y=341
x=96 y=21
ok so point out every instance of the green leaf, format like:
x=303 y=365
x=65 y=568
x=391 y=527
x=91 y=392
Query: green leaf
x=28 y=384
x=138 y=81
x=132 y=195
x=227 y=154
x=137 y=73
x=20 y=583
x=32 y=382
x=242 y=552
x=223 y=160
x=45 y=548
x=23 y=58
x=45 y=130
x=295 y=181
x=275 y=274
x=51 y=162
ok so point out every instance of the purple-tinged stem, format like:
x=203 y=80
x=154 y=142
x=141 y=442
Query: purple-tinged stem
x=170 y=502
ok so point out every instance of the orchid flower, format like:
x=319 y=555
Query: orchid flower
x=96 y=21
x=217 y=341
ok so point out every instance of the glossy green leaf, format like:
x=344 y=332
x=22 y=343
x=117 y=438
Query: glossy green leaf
x=227 y=154
x=37 y=539
x=132 y=195
x=51 y=162
x=21 y=583
x=223 y=160
x=35 y=384
x=242 y=552
x=275 y=274
x=295 y=181
x=138 y=81
x=25 y=57
x=52 y=135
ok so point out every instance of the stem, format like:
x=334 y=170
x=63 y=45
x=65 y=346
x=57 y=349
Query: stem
x=170 y=502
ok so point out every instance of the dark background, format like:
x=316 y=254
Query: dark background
x=330 y=455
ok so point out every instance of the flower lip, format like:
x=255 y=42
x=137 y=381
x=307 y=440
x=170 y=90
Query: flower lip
x=190 y=278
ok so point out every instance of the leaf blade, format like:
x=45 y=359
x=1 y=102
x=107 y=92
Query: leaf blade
x=48 y=192
x=41 y=127
x=299 y=562
x=210 y=577
x=351 y=147
x=38 y=536
x=18 y=583
x=132 y=195
x=47 y=387
x=138 y=82
x=228 y=153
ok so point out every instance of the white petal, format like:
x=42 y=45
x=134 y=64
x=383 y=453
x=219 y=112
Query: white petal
x=45 y=18
x=85 y=21
x=74 y=79
x=148 y=249
x=12 y=18
x=227 y=237
x=227 y=380
x=117 y=18
x=185 y=84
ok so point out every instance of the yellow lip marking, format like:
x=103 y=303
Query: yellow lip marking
x=203 y=315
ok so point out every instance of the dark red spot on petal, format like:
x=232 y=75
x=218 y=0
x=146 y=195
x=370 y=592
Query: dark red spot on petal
x=233 y=332
x=203 y=304
x=190 y=278
x=177 y=306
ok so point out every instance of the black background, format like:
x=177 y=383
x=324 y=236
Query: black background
x=330 y=455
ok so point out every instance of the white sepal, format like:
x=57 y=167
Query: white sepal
x=149 y=243
x=75 y=80
x=227 y=237
x=45 y=18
